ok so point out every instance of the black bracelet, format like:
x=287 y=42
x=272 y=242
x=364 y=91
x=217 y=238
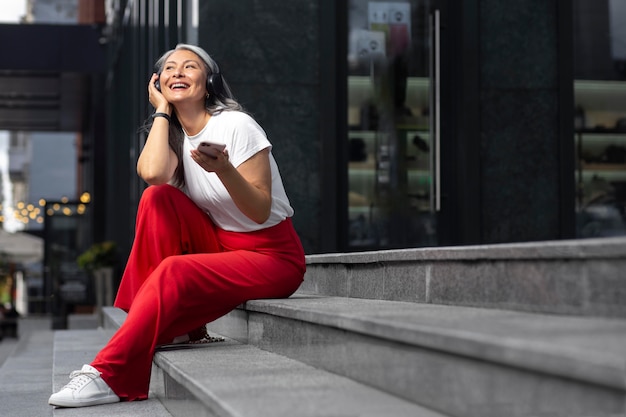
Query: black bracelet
x=167 y=116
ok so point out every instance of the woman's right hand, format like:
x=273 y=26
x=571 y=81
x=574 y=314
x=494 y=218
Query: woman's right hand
x=156 y=98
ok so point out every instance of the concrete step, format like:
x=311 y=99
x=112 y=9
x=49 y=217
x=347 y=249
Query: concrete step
x=72 y=349
x=461 y=361
x=229 y=379
x=25 y=371
x=577 y=277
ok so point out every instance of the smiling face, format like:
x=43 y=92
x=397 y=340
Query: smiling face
x=183 y=78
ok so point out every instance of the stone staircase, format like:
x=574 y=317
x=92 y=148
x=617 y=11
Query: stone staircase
x=536 y=329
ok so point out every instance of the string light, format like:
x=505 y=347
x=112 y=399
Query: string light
x=28 y=212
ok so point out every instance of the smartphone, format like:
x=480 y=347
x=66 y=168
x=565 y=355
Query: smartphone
x=211 y=148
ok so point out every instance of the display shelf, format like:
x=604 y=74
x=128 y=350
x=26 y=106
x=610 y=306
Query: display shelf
x=599 y=151
x=361 y=89
x=366 y=171
x=600 y=168
x=362 y=209
x=364 y=134
x=602 y=107
x=361 y=92
x=607 y=175
x=600 y=137
x=359 y=168
x=599 y=95
x=367 y=176
x=389 y=164
x=600 y=141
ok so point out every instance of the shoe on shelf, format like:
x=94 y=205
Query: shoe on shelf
x=85 y=388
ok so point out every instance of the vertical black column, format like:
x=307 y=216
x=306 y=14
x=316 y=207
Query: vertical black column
x=270 y=53
x=522 y=114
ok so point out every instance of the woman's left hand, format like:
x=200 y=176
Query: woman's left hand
x=211 y=163
x=249 y=185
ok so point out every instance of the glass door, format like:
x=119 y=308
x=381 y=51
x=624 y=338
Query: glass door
x=394 y=66
x=600 y=117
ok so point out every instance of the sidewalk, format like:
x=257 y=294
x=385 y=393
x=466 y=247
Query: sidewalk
x=26 y=326
x=25 y=368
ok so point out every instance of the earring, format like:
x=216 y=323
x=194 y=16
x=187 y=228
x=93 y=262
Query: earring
x=207 y=95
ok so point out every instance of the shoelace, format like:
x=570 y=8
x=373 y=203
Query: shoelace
x=80 y=378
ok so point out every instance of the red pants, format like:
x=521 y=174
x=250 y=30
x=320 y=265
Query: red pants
x=183 y=272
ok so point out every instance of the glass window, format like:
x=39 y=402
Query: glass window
x=392 y=62
x=600 y=117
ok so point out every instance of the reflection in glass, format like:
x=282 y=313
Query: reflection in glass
x=389 y=139
x=600 y=117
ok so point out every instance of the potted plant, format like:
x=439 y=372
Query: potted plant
x=99 y=261
x=99 y=255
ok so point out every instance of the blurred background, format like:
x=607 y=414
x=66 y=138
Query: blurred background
x=36 y=167
x=396 y=124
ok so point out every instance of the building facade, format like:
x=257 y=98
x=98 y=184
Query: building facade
x=395 y=124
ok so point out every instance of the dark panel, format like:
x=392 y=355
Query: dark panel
x=45 y=76
x=521 y=174
x=269 y=53
x=51 y=48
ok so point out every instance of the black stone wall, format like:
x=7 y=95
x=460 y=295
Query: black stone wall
x=268 y=52
x=526 y=172
x=273 y=55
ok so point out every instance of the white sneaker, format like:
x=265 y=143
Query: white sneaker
x=85 y=388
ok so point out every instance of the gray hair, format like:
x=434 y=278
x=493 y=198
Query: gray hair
x=214 y=103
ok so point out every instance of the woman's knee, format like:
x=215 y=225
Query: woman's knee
x=159 y=192
x=160 y=199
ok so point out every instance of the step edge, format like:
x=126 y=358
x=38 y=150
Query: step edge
x=204 y=396
x=209 y=399
x=532 y=356
x=170 y=368
x=598 y=248
x=59 y=379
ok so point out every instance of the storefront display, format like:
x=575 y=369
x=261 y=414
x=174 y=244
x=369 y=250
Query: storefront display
x=601 y=157
x=392 y=64
x=600 y=118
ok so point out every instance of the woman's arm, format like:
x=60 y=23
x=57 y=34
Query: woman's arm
x=249 y=185
x=157 y=162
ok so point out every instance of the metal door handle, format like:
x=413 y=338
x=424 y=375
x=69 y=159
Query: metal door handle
x=435 y=106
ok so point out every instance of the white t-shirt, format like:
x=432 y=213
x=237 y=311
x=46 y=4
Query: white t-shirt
x=243 y=138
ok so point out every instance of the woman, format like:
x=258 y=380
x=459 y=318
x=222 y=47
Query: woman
x=212 y=232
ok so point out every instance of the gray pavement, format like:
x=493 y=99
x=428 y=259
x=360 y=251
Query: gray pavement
x=25 y=374
x=26 y=326
x=7 y=347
